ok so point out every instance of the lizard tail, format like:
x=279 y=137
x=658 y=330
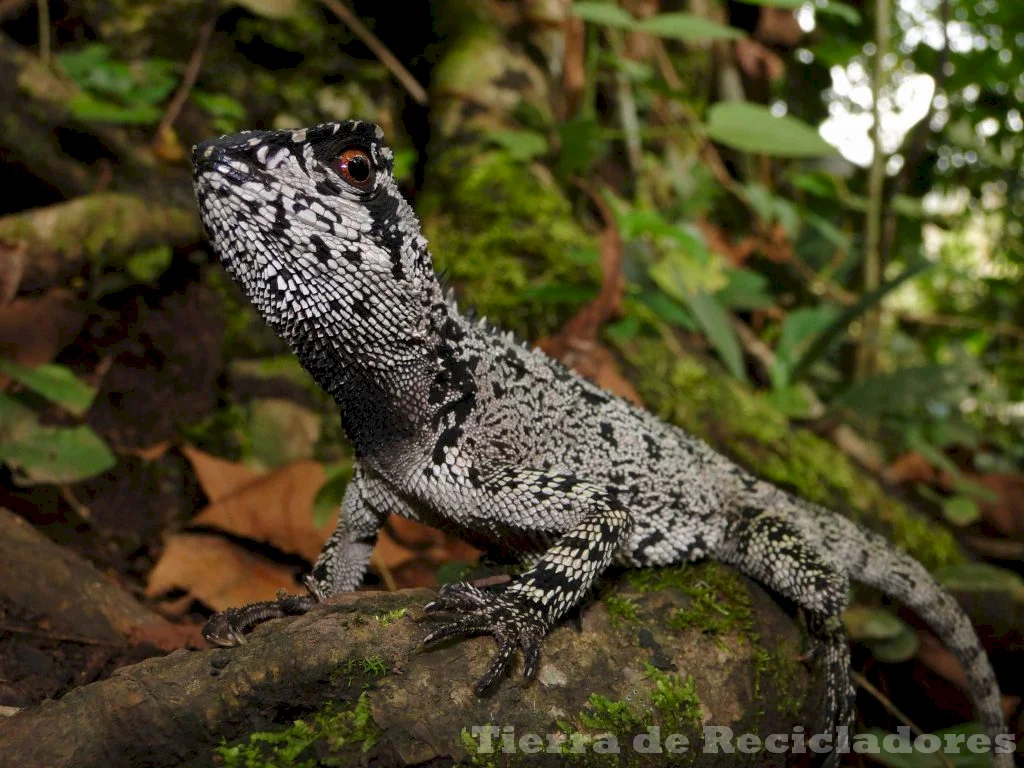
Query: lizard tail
x=876 y=563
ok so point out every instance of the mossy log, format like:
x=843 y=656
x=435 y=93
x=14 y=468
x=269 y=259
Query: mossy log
x=678 y=648
x=55 y=240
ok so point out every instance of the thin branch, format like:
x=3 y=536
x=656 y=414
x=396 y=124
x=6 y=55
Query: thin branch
x=386 y=57
x=866 y=354
x=195 y=63
x=893 y=710
x=968 y=323
x=44 y=31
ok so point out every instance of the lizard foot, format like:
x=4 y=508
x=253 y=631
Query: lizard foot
x=513 y=624
x=227 y=628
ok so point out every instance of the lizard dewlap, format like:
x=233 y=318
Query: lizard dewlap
x=457 y=425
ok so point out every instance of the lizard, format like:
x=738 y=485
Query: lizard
x=456 y=424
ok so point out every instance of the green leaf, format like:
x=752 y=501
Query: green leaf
x=147 y=266
x=606 y=14
x=824 y=340
x=219 y=104
x=960 y=510
x=794 y=4
x=625 y=329
x=889 y=639
x=868 y=624
x=667 y=310
x=53 y=455
x=714 y=321
x=405 y=163
x=686 y=26
x=521 y=145
x=328 y=498
x=89 y=108
x=981 y=577
x=687 y=266
x=54 y=382
x=845 y=12
x=745 y=290
x=902 y=648
x=898 y=751
x=798 y=330
x=581 y=144
x=753 y=128
x=794 y=402
x=835 y=236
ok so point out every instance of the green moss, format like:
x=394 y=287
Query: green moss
x=359 y=668
x=476 y=757
x=612 y=716
x=621 y=610
x=675 y=700
x=721 y=410
x=331 y=737
x=780 y=667
x=501 y=229
x=719 y=601
x=389 y=617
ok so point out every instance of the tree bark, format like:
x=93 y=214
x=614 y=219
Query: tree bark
x=174 y=710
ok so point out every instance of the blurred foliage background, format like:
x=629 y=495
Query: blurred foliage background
x=808 y=215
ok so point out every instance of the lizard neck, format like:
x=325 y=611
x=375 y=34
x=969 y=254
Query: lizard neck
x=389 y=382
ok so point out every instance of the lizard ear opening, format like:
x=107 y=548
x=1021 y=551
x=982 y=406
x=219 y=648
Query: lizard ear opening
x=355 y=166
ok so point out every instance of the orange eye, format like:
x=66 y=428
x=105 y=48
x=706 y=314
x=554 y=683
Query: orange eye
x=355 y=167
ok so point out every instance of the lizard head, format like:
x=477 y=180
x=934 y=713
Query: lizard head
x=313 y=227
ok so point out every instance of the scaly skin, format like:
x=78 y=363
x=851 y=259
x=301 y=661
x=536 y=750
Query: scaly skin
x=457 y=425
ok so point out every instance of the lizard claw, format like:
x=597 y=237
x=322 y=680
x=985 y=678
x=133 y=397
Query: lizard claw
x=227 y=629
x=513 y=624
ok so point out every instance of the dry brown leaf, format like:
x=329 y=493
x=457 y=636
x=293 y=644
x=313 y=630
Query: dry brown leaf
x=154 y=451
x=216 y=572
x=911 y=467
x=1006 y=512
x=934 y=655
x=412 y=534
x=33 y=330
x=390 y=554
x=276 y=508
x=218 y=477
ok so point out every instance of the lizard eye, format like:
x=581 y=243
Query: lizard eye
x=355 y=167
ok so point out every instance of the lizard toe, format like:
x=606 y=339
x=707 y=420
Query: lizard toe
x=513 y=624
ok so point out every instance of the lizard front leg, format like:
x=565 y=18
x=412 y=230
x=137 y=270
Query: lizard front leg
x=595 y=526
x=339 y=568
x=772 y=550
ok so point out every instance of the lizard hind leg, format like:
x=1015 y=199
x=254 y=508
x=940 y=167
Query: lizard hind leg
x=773 y=551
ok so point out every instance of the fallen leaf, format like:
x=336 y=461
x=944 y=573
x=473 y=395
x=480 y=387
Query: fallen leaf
x=33 y=330
x=153 y=452
x=216 y=572
x=276 y=508
x=911 y=467
x=218 y=477
x=934 y=655
x=1005 y=510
